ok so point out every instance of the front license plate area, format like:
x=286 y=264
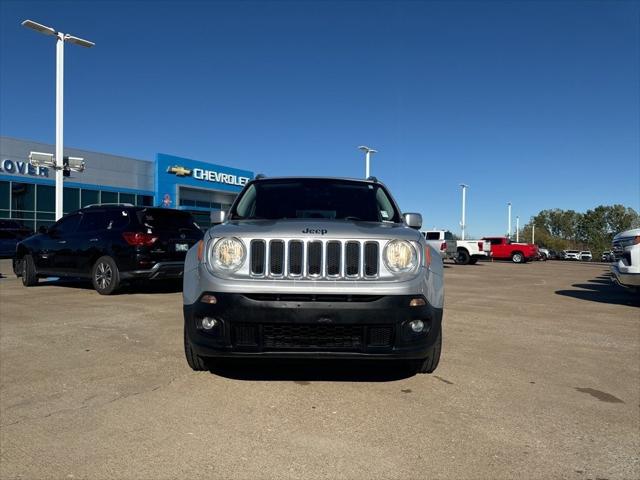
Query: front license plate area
x=182 y=247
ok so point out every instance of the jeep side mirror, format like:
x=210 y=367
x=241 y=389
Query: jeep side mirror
x=413 y=220
x=43 y=229
x=218 y=217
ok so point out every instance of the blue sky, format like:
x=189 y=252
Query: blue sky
x=536 y=103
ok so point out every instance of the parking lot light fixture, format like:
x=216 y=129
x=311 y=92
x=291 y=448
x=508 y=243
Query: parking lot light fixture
x=61 y=38
x=517 y=229
x=367 y=159
x=509 y=219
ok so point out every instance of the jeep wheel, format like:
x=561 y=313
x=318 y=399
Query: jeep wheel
x=29 y=276
x=195 y=361
x=517 y=257
x=105 y=276
x=430 y=363
x=463 y=257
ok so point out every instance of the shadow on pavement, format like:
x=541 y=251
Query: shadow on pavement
x=152 y=286
x=602 y=290
x=311 y=370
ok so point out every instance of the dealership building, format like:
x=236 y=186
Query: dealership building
x=27 y=193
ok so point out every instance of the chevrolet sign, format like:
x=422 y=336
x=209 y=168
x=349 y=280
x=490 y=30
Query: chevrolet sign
x=208 y=175
x=179 y=171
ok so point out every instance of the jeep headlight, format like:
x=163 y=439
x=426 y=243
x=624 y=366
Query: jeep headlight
x=400 y=256
x=228 y=254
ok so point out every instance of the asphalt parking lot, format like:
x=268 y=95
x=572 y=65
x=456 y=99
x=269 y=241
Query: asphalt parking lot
x=540 y=378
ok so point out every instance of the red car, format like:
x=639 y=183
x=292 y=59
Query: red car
x=503 y=249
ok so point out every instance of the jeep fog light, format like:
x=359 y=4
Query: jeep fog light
x=417 y=326
x=228 y=254
x=208 y=323
x=400 y=256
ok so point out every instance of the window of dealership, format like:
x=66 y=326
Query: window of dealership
x=33 y=204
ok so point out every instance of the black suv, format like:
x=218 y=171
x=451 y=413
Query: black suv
x=110 y=244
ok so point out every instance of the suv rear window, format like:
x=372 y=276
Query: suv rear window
x=97 y=220
x=165 y=219
x=432 y=235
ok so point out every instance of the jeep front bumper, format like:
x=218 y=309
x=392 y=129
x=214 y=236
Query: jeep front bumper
x=312 y=325
x=625 y=275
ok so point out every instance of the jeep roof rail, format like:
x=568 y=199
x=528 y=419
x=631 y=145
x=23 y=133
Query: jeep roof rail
x=96 y=205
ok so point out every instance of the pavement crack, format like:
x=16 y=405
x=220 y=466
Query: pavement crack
x=85 y=405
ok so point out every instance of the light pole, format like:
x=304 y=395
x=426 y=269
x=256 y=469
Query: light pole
x=367 y=151
x=59 y=156
x=463 y=224
x=517 y=229
x=533 y=233
x=509 y=220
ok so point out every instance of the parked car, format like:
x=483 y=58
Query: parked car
x=11 y=232
x=571 y=254
x=503 y=249
x=111 y=245
x=586 y=256
x=607 y=256
x=626 y=267
x=544 y=254
x=442 y=241
x=314 y=267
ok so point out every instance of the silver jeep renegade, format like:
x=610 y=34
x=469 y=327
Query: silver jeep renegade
x=314 y=268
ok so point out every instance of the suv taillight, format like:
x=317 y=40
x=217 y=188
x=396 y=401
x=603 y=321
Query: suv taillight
x=443 y=247
x=480 y=246
x=139 y=239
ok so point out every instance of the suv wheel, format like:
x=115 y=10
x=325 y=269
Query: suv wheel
x=29 y=277
x=17 y=267
x=517 y=257
x=195 y=361
x=105 y=276
x=430 y=363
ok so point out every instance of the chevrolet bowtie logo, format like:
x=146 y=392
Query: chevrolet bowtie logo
x=179 y=171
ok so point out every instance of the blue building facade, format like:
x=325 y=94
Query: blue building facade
x=27 y=193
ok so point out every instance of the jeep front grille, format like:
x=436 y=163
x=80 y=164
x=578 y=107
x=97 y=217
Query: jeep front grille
x=314 y=259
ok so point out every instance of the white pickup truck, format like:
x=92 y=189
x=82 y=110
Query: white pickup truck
x=442 y=241
x=470 y=251
x=462 y=252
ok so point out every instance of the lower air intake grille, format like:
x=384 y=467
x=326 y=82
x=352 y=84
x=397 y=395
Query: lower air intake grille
x=245 y=335
x=380 y=336
x=312 y=337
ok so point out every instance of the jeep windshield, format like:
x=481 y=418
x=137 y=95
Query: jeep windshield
x=330 y=199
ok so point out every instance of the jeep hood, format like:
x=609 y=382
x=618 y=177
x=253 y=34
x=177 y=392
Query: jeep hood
x=303 y=228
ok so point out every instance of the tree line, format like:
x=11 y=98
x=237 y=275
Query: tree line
x=593 y=230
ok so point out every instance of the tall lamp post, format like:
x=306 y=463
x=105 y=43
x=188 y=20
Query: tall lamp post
x=61 y=38
x=509 y=219
x=463 y=224
x=367 y=159
x=517 y=229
